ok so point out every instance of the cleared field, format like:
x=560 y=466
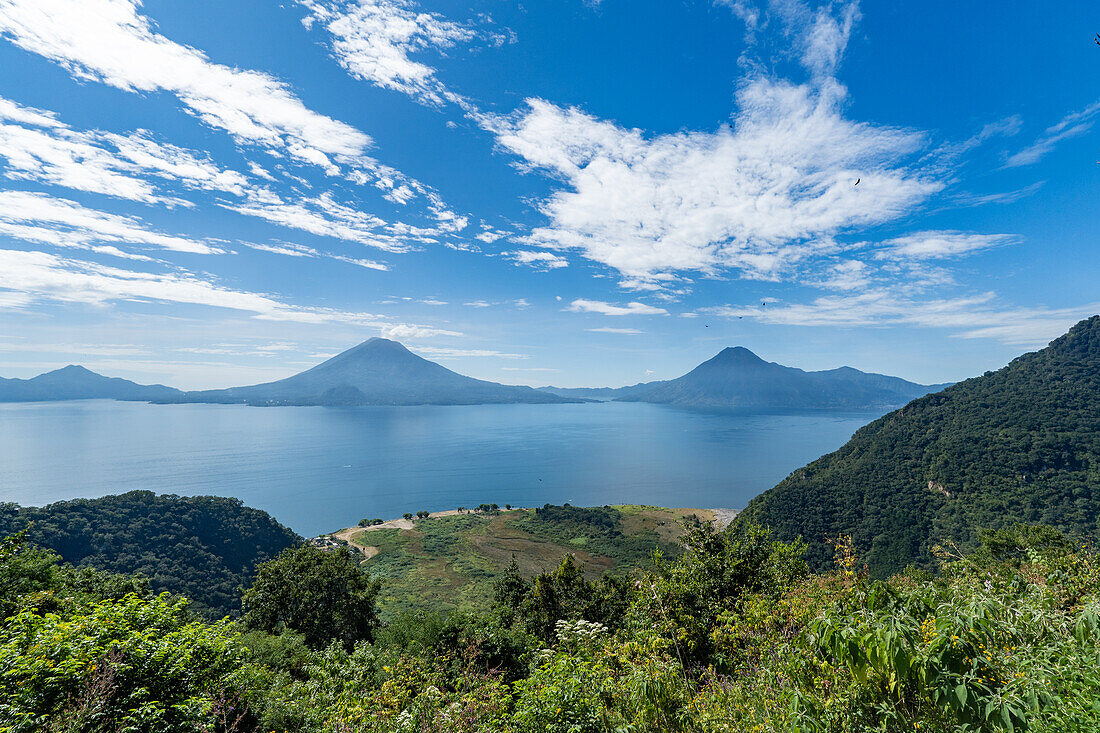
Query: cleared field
x=450 y=560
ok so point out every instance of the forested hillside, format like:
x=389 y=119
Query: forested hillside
x=1021 y=444
x=204 y=547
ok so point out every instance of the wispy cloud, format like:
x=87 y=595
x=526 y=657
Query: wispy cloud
x=375 y=40
x=111 y=42
x=41 y=218
x=610 y=309
x=942 y=244
x=538 y=259
x=402 y=331
x=133 y=166
x=1072 y=125
x=300 y=250
x=435 y=352
x=39 y=276
x=977 y=316
x=609 y=329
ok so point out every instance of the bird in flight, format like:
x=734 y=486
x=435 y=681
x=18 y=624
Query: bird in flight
x=857 y=181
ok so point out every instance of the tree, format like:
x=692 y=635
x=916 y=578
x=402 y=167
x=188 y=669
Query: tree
x=323 y=595
x=407 y=515
x=562 y=595
x=422 y=514
x=684 y=599
x=509 y=590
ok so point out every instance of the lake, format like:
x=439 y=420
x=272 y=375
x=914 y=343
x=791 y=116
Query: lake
x=317 y=469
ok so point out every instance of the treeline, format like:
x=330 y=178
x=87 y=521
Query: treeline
x=1017 y=445
x=735 y=634
x=203 y=547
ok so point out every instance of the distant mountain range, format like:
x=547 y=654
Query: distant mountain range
x=383 y=372
x=1021 y=444
x=376 y=372
x=77 y=383
x=739 y=379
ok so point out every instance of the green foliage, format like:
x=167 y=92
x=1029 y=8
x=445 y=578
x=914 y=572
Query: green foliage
x=323 y=595
x=131 y=664
x=203 y=547
x=32 y=577
x=732 y=636
x=562 y=595
x=597 y=530
x=685 y=598
x=1016 y=445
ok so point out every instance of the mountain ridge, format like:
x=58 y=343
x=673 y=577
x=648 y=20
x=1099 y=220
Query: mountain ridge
x=737 y=378
x=75 y=382
x=377 y=371
x=1016 y=445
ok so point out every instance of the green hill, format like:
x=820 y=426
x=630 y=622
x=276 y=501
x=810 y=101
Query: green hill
x=1021 y=444
x=204 y=547
x=450 y=562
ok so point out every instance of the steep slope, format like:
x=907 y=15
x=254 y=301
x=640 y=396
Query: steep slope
x=77 y=383
x=738 y=378
x=1021 y=444
x=376 y=372
x=204 y=547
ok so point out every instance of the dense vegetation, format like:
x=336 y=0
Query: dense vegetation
x=734 y=635
x=1021 y=444
x=202 y=547
x=451 y=562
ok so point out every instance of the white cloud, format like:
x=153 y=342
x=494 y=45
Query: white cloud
x=756 y=198
x=478 y=304
x=123 y=165
x=412 y=331
x=609 y=309
x=110 y=42
x=490 y=234
x=98 y=162
x=300 y=250
x=978 y=316
x=374 y=39
x=609 y=329
x=38 y=217
x=759 y=197
x=942 y=244
x=39 y=276
x=324 y=216
x=846 y=275
x=433 y=352
x=1072 y=125
x=538 y=259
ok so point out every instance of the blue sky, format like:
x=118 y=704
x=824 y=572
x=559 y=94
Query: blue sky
x=575 y=193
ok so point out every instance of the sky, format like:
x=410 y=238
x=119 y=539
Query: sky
x=576 y=193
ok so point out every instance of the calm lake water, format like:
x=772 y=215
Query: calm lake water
x=318 y=469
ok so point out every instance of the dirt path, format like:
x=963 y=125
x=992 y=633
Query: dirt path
x=370 y=551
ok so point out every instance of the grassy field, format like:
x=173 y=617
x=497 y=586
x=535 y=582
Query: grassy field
x=450 y=561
